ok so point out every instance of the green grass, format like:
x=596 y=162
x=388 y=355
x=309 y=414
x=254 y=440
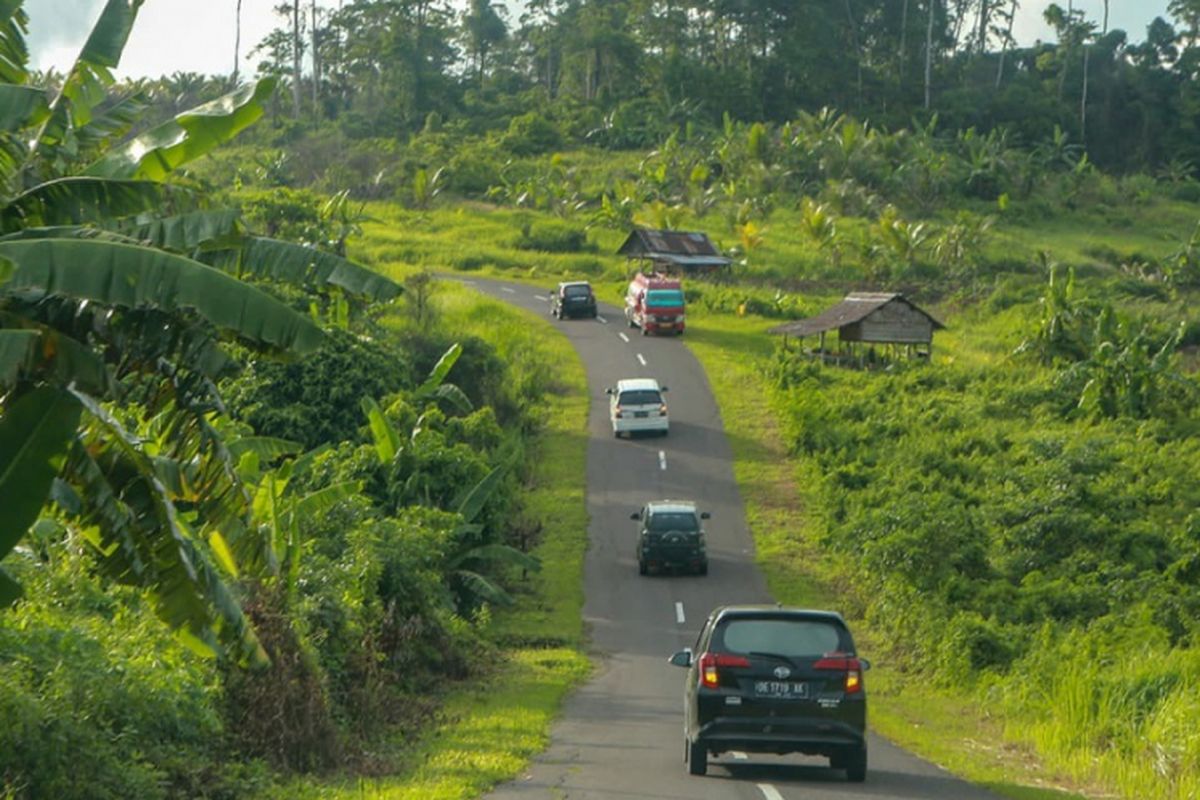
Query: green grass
x=489 y=728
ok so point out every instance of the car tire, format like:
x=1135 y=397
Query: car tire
x=644 y=331
x=702 y=569
x=697 y=758
x=641 y=567
x=855 y=765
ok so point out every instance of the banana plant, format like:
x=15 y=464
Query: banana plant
x=110 y=330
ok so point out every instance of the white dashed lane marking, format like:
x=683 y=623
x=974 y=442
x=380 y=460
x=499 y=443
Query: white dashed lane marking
x=542 y=297
x=662 y=459
x=679 y=613
x=601 y=319
x=624 y=338
x=641 y=359
x=769 y=791
x=506 y=289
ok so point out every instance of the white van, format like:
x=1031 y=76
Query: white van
x=637 y=404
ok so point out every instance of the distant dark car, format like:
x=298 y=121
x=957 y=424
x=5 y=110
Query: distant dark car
x=573 y=299
x=768 y=679
x=671 y=537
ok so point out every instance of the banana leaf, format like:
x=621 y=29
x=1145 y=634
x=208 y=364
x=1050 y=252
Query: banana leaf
x=35 y=431
x=387 y=439
x=75 y=201
x=136 y=277
x=24 y=347
x=14 y=55
x=160 y=151
x=440 y=370
x=184 y=233
x=87 y=81
x=143 y=542
x=472 y=503
x=21 y=106
x=16 y=355
x=304 y=265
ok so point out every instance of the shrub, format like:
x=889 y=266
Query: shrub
x=317 y=400
x=531 y=134
x=552 y=236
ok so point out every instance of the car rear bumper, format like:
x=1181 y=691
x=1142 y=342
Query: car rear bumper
x=663 y=327
x=577 y=311
x=636 y=424
x=780 y=735
x=658 y=560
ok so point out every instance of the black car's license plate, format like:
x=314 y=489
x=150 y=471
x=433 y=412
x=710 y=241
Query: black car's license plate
x=787 y=690
x=641 y=413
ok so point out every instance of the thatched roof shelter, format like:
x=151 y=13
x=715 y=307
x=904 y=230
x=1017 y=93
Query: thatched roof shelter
x=673 y=251
x=869 y=318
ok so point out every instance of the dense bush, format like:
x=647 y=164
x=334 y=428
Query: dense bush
x=317 y=400
x=552 y=236
x=89 y=675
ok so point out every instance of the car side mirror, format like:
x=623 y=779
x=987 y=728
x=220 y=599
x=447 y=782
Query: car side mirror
x=683 y=658
x=866 y=665
x=705 y=515
x=635 y=515
x=662 y=389
x=608 y=390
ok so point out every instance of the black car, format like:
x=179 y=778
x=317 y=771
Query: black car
x=573 y=299
x=768 y=679
x=670 y=537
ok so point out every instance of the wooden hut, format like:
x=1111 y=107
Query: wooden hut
x=673 y=252
x=863 y=321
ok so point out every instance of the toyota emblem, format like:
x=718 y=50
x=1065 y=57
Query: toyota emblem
x=782 y=672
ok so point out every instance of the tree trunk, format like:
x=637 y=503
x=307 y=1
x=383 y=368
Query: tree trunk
x=1087 y=52
x=237 y=40
x=929 y=54
x=296 y=46
x=903 y=39
x=857 y=51
x=316 y=64
x=984 y=15
x=1012 y=16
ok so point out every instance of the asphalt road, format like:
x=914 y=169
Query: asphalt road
x=621 y=735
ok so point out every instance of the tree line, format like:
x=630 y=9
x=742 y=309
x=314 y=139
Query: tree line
x=382 y=67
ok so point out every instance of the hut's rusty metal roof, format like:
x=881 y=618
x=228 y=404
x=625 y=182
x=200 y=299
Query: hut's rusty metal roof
x=855 y=308
x=686 y=248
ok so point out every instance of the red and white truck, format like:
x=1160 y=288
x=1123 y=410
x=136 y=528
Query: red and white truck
x=654 y=303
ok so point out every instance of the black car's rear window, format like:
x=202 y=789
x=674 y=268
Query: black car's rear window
x=786 y=637
x=672 y=521
x=640 y=397
x=577 y=291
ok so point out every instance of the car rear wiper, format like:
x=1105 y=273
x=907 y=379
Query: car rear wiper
x=775 y=656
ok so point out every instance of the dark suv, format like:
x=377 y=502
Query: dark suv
x=670 y=536
x=573 y=299
x=768 y=679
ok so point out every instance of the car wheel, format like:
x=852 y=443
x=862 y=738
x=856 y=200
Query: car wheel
x=856 y=765
x=697 y=758
x=641 y=567
x=644 y=331
x=702 y=569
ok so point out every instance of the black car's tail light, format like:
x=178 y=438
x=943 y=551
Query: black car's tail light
x=840 y=662
x=710 y=663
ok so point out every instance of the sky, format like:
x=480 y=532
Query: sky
x=197 y=35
